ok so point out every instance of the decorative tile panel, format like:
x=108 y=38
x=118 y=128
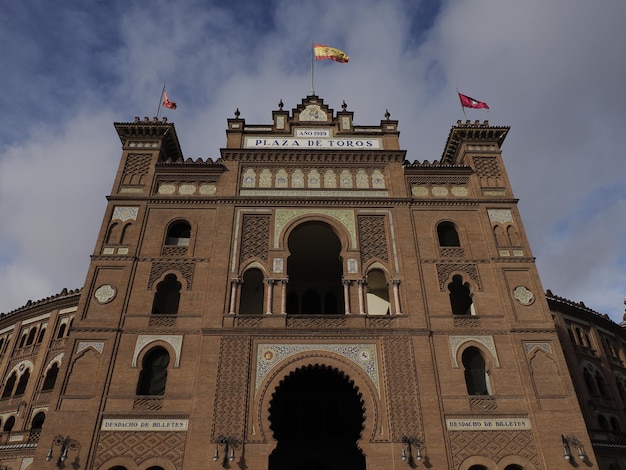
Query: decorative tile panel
x=487 y=341
x=285 y=216
x=271 y=355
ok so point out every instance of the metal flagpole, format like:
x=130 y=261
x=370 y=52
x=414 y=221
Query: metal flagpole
x=160 y=101
x=312 y=68
x=462 y=107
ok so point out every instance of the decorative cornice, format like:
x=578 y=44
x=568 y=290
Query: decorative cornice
x=313 y=156
x=61 y=296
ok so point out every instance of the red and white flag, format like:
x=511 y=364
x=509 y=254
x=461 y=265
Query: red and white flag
x=468 y=102
x=167 y=103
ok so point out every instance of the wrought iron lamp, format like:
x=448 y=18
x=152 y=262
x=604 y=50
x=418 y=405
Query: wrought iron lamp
x=408 y=444
x=66 y=444
x=229 y=444
x=571 y=439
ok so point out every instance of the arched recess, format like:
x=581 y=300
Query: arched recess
x=178 y=233
x=370 y=396
x=252 y=291
x=155 y=463
x=119 y=463
x=477 y=462
x=315 y=267
x=316 y=417
x=171 y=343
x=378 y=298
x=509 y=462
x=458 y=344
x=167 y=295
x=448 y=234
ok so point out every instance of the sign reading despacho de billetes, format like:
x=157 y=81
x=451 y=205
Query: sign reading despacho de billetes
x=138 y=424
x=487 y=424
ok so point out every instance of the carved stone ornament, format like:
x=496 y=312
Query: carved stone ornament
x=523 y=295
x=105 y=293
x=313 y=113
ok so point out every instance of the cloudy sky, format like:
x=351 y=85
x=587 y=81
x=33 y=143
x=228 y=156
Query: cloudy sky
x=555 y=71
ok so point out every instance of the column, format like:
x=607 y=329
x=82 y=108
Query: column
x=396 y=295
x=283 y=296
x=346 y=295
x=270 y=295
x=362 y=283
x=233 y=294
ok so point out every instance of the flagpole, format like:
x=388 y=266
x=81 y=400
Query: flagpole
x=312 y=68
x=462 y=108
x=160 y=101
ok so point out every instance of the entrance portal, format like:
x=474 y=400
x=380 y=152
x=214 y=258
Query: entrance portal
x=316 y=415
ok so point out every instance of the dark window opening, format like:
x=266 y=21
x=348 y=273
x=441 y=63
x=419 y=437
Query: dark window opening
x=8 y=425
x=38 y=420
x=604 y=424
x=477 y=467
x=460 y=296
x=51 y=377
x=475 y=372
x=31 y=336
x=315 y=271
x=40 y=336
x=61 y=331
x=448 y=236
x=167 y=296
x=252 y=291
x=8 y=387
x=23 y=340
x=153 y=376
x=591 y=388
x=178 y=234
x=23 y=382
x=615 y=426
x=601 y=384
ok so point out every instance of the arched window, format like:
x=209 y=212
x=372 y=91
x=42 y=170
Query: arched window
x=38 y=420
x=621 y=387
x=252 y=291
x=61 y=331
x=601 y=384
x=156 y=467
x=23 y=340
x=178 y=234
x=447 y=234
x=591 y=388
x=23 y=382
x=8 y=387
x=51 y=377
x=615 y=426
x=377 y=293
x=513 y=467
x=118 y=467
x=475 y=371
x=8 y=425
x=153 y=376
x=41 y=333
x=31 y=336
x=460 y=296
x=167 y=296
x=604 y=424
x=477 y=467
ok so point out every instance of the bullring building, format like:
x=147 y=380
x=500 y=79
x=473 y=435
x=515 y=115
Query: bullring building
x=310 y=300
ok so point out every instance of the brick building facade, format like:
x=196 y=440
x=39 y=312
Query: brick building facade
x=309 y=301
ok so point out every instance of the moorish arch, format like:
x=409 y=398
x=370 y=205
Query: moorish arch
x=369 y=393
x=316 y=417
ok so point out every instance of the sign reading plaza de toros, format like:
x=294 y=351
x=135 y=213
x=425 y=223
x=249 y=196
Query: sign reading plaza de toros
x=314 y=139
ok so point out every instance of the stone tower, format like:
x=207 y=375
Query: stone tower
x=312 y=301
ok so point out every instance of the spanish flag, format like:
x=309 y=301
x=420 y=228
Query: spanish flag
x=324 y=52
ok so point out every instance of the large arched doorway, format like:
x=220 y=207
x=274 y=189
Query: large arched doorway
x=314 y=269
x=316 y=415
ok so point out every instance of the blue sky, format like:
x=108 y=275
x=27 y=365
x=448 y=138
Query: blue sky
x=553 y=71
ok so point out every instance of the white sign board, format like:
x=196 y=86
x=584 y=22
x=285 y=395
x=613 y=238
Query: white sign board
x=487 y=424
x=166 y=424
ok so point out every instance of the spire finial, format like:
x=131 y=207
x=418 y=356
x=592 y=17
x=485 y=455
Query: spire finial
x=237 y=113
x=387 y=115
x=280 y=104
x=344 y=105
